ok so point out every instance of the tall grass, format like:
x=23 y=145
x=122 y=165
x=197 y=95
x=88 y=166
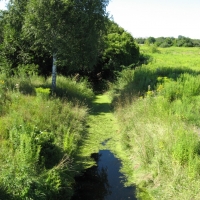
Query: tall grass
x=73 y=89
x=40 y=135
x=173 y=57
x=158 y=112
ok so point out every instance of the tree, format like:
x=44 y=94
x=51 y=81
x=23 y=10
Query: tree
x=140 y=40
x=70 y=30
x=184 y=41
x=15 y=47
x=151 y=40
x=120 y=49
x=159 y=41
x=168 y=42
x=1 y=25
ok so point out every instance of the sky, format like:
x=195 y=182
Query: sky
x=2 y=4
x=156 y=18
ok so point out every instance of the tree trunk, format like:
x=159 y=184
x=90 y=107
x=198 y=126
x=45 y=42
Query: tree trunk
x=54 y=73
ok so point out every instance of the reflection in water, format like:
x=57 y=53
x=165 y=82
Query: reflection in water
x=93 y=183
x=103 y=182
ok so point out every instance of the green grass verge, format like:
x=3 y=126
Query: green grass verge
x=157 y=107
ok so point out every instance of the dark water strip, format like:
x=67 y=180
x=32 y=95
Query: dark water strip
x=104 y=181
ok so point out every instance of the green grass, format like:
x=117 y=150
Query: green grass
x=101 y=126
x=40 y=135
x=158 y=115
x=46 y=139
x=177 y=57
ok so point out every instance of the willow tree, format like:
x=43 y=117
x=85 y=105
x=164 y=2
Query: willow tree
x=69 y=29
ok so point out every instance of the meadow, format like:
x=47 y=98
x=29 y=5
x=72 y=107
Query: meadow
x=157 y=107
x=174 y=57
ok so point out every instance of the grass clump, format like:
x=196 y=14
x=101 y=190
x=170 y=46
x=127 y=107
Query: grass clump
x=73 y=89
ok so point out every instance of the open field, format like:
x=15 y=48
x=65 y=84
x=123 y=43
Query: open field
x=174 y=57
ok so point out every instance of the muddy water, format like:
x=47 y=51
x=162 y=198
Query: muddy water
x=104 y=181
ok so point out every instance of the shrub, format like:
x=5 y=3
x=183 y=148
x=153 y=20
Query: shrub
x=154 y=49
x=42 y=92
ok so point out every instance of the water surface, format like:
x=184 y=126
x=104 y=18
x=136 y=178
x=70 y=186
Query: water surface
x=104 y=181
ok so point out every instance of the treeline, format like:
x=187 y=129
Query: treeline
x=164 y=42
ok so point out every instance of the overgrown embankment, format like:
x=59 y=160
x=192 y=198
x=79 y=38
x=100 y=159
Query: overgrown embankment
x=40 y=135
x=158 y=113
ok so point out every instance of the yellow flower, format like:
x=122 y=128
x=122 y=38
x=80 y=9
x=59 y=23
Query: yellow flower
x=160 y=87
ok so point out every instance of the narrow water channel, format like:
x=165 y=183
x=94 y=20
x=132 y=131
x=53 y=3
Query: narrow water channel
x=104 y=181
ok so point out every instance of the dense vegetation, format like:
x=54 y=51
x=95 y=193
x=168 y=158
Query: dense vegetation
x=155 y=97
x=40 y=135
x=164 y=42
x=157 y=106
x=42 y=131
x=28 y=37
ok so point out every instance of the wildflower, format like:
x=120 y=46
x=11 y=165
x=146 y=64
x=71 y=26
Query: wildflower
x=17 y=86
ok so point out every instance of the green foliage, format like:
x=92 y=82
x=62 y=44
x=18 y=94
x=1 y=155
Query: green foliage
x=32 y=37
x=4 y=95
x=39 y=140
x=151 y=40
x=147 y=43
x=165 y=45
x=185 y=86
x=140 y=40
x=165 y=42
x=74 y=89
x=154 y=49
x=42 y=92
x=19 y=160
x=184 y=42
x=120 y=50
x=49 y=24
x=186 y=148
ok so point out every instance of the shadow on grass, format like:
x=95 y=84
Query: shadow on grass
x=146 y=78
x=100 y=108
x=71 y=94
x=74 y=95
x=5 y=196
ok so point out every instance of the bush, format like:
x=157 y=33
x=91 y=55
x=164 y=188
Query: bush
x=154 y=49
x=165 y=45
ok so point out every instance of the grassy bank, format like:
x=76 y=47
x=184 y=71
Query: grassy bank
x=157 y=107
x=40 y=135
